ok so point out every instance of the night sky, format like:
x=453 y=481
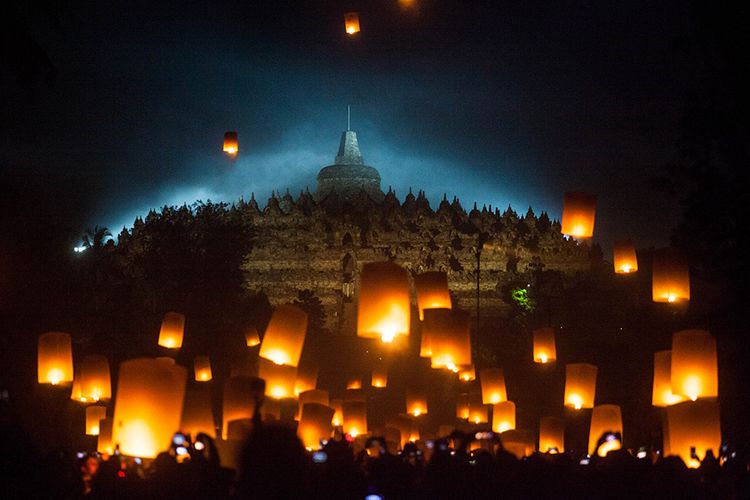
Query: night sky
x=118 y=107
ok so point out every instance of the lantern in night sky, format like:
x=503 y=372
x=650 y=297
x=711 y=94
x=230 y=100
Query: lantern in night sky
x=580 y=385
x=280 y=379
x=251 y=336
x=354 y=414
x=240 y=394
x=551 y=435
x=544 y=345
x=578 y=215
x=104 y=444
x=202 y=368
x=318 y=396
x=478 y=413
x=172 y=330
x=625 y=259
x=285 y=335
x=76 y=392
x=314 y=424
x=95 y=380
x=354 y=383
x=379 y=376
x=605 y=418
x=693 y=425
x=449 y=338
x=351 y=23
x=338 y=415
x=670 y=276
x=432 y=291
x=231 y=144
x=462 y=406
x=504 y=416
x=694 y=371
x=93 y=415
x=407 y=427
x=662 y=394
x=493 y=386
x=55 y=358
x=384 y=310
x=466 y=373
x=307 y=377
x=416 y=401
x=518 y=442
x=197 y=413
x=148 y=406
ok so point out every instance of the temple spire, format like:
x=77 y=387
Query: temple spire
x=348 y=117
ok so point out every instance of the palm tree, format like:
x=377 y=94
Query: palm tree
x=94 y=239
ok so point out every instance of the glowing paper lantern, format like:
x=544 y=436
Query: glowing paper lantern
x=416 y=402
x=197 y=415
x=625 y=259
x=251 y=336
x=551 y=435
x=318 y=396
x=379 y=376
x=280 y=379
x=354 y=383
x=231 y=144
x=432 y=291
x=605 y=418
x=76 y=392
x=478 y=413
x=493 y=386
x=351 y=23
x=518 y=442
x=580 y=385
x=463 y=402
x=407 y=427
x=425 y=344
x=285 y=336
x=240 y=396
x=504 y=416
x=338 y=415
x=354 y=414
x=384 y=310
x=104 y=443
x=202 y=368
x=662 y=394
x=93 y=415
x=467 y=373
x=95 y=380
x=694 y=365
x=148 y=406
x=307 y=377
x=578 y=215
x=314 y=424
x=694 y=425
x=449 y=338
x=670 y=277
x=172 y=330
x=55 y=358
x=544 y=345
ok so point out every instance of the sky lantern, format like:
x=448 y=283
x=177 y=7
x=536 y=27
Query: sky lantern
x=432 y=291
x=416 y=401
x=625 y=259
x=383 y=310
x=351 y=23
x=467 y=373
x=318 y=396
x=172 y=330
x=504 y=416
x=202 y=368
x=518 y=442
x=662 y=394
x=231 y=144
x=307 y=377
x=580 y=385
x=197 y=413
x=76 y=392
x=670 y=277
x=551 y=435
x=95 y=379
x=425 y=343
x=104 y=444
x=478 y=413
x=251 y=336
x=693 y=425
x=493 y=386
x=148 y=407
x=354 y=383
x=605 y=418
x=544 y=345
x=280 y=379
x=407 y=426
x=94 y=414
x=285 y=335
x=338 y=416
x=240 y=394
x=379 y=378
x=578 y=214
x=449 y=338
x=462 y=406
x=354 y=414
x=694 y=371
x=314 y=424
x=54 y=358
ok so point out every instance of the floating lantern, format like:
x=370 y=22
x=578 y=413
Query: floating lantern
x=338 y=416
x=231 y=144
x=518 y=442
x=93 y=415
x=605 y=418
x=251 y=336
x=379 y=378
x=693 y=426
x=625 y=259
x=478 y=413
x=280 y=379
x=318 y=396
x=694 y=365
x=197 y=415
x=662 y=394
x=351 y=23
x=55 y=358
x=670 y=277
x=463 y=403
x=354 y=414
x=148 y=406
x=467 y=373
x=95 y=380
x=76 y=392
x=104 y=444
x=432 y=291
x=240 y=395
x=354 y=383
x=314 y=424
x=580 y=385
x=449 y=338
x=416 y=402
x=285 y=335
x=307 y=377
x=407 y=427
x=202 y=368
x=544 y=345
x=425 y=344
x=578 y=215
x=384 y=310
x=172 y=330
x=504 y=416
x=493 y=386
x=551 y=435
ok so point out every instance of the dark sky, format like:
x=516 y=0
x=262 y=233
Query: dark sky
x=495 y=102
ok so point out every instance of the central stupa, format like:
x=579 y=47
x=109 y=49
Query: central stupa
x=348 y=175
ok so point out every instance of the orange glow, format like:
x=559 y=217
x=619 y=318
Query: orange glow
x=463 y=403
x=662 y=394
x=76 y=392
x=251 y=337
x=172 y=330
x=318 y=396
x=551 y=434
x=416 y=402
x=240 y=395
x=625 y=259
x=379 y=376
x=493 y=386
x=448 y=331
x=285 y=336
x=307 y=377
x=383 y=310
x=693 y=424
x=544 y=345
x=605 y=418
x=478 y=413
x=518 y=442
x=279 y=379
x=93 y=415
x=202 y=368
x=354 y=383
x=504 y=416
x=578 y=215
x=407 y=427
x=670 y=277
x=354 y=414
x=351 y=23
x=104 y=443
x=231 y=144
x=55 y=358
x=432 y=291
x=314 y=424
x=694 y=371
x=580 y=385
x=95 y=379
x=338 y=415
x=467 y=373
x=197 y=415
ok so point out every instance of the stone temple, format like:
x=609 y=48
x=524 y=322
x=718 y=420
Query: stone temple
x=320 y=241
